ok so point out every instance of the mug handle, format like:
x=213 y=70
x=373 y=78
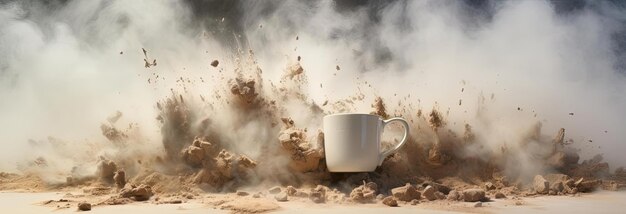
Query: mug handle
x=384 y=154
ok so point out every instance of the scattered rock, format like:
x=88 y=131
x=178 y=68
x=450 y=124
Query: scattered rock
x=541 y=185
x=215 y=63
x=489 y=186
x=318 y=194
x=274 y=190
x=120 y=178
x=304 y=158
x=500 y=195
x=140 y=193
x=415 y=202
x=557 y=187
x=291 y=191
x=553 y=178
x=429 y=193
x=453 y=195
x=242 y=193
x=440 y=195
x=281 y=197
x=406 y=193
x=171 y=201
x=84 y=206
x=438 y=187
x=364 y=193
x=587 y=185
x=473 y=195
x=301 y=194
x=106 y=169
x=380 y=197
x=390 y=201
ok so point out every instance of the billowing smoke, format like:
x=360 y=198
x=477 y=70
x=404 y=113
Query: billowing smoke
x=507 y=69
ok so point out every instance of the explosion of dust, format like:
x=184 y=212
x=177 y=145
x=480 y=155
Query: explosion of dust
x=224 y=125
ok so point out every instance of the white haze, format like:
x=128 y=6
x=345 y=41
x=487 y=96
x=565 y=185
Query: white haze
x=62 y=74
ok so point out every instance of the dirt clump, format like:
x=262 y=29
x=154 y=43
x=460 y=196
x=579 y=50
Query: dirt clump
x=454 y=196
x=106 y=170
x=584 y=185
x=113 y=134
x=407 y=193
x=199 y=151
x=379 y=108
x=138 y=193
x=436 y=120
x=282 y=197
x=473 y=195
x=120 y=178
x=274 y=190
x=215 y=63
x=224 y=168
x=437 y=186
x=499 y=195
x=318 y=194
x=429 y=193
x=244 y=91
x=365 y=193
x=291 y=191
x=84 y=206
x=304 y=158
x=294 y=70
x=390 y=201
x=541 y=185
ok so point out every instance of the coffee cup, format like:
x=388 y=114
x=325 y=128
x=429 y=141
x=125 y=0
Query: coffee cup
x=352 y=141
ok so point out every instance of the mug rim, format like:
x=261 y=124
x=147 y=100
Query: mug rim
x=351 y=114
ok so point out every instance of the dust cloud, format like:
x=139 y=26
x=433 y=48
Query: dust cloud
x=180 y=95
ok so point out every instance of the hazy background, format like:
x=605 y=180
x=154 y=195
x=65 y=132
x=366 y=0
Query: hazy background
x=65 y=66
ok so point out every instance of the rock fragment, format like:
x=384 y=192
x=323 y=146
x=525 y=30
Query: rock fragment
x=274 y=190
x=291 y=191
x=553 y=178
x=138 y=193
x=106 y=169
x=406 y=193
x=473 y=195
x=318 y=194
x=84 y=206
x=364 y=193
x=390 y=201
x=489 y=186
x=453 y=195
x=541 y=185
x=282 y=197
x=429 y=193
x=500 y=195
x=120 y=178
x=557 y=187
x=440 y=195
x=438 y=187
x=587 y=185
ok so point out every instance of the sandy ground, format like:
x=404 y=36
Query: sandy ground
x=599 y=202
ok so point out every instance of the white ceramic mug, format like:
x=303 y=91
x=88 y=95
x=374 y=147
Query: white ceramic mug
x=352 y=141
